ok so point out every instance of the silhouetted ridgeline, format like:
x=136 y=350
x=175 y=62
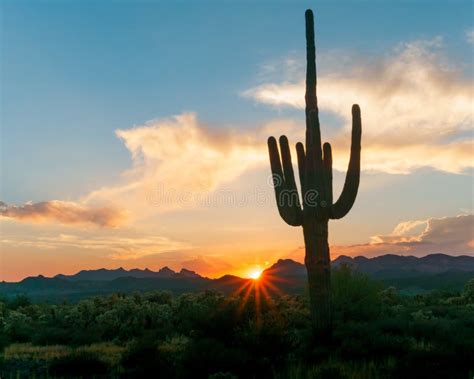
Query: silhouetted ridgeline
x=394 y=265
x=104 y=274
x=409 y=274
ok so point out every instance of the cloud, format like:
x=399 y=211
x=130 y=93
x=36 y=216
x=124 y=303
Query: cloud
x=449 y=235
x=470 y=36
x=186 y=154
x=416 y=113
x=125 y=246
x=64 y=212
x=416 y=108
x=177 y=159
x=177 y=162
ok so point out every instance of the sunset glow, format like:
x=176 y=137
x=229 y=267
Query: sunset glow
x=216 y=190
x=255 y=273
x=185 y=182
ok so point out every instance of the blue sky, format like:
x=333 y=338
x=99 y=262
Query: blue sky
x=74 y=72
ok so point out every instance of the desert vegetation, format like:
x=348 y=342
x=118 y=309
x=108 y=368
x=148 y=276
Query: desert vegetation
x=378 y=333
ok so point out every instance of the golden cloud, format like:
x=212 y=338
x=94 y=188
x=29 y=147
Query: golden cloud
x=125 y=246
x=416 y=109
x=178 y=159
x=416 y=113
x=64 y=212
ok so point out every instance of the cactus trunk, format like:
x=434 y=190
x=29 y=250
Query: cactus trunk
x=316 y=207
x=318 y=263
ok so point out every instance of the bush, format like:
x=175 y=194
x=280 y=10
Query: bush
x=78 y=365
x=143 y=360
x=377 y=333
x=355 y=295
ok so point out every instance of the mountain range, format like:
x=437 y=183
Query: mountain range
x=407 y=273
x=105 y=275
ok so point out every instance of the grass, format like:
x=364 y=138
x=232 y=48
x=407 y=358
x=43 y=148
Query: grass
x=337 y=369
x=108 y=352
x=27 y=351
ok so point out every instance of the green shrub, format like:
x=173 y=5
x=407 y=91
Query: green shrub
x=78 y=365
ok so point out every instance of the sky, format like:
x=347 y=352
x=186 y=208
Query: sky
x=133 y=134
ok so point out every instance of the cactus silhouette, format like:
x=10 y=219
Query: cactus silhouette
x=317 y=208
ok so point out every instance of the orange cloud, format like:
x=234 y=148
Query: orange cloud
x=64 y=212
x=120 y=245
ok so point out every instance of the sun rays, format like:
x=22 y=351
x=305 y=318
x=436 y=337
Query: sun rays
x=255 y=273
x=259 y=289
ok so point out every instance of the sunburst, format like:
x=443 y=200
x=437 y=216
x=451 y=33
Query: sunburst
x=255 y=273
x=261 y=286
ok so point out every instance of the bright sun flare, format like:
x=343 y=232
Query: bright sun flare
x=255 y=273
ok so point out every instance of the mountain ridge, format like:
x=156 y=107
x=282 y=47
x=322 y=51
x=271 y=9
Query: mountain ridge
x=407 y=273
x=103 y=274
x=431 y=263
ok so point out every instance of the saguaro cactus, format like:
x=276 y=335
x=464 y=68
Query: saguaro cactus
x=315 y=171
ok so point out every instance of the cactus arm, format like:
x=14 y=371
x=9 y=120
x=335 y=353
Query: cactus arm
x=275 y=163
x=315 y=133
x=327 y=163
x=301 y=165
x=290 y=184
x=287 y=166
x=349 y=192
x=285 y=190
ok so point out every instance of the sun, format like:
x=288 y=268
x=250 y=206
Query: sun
x=255 y=273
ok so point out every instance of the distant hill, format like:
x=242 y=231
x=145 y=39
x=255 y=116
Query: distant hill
x=286 y=268
x=390 y=265
x=385 y=266
x=409 y=274
x=106 y=275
